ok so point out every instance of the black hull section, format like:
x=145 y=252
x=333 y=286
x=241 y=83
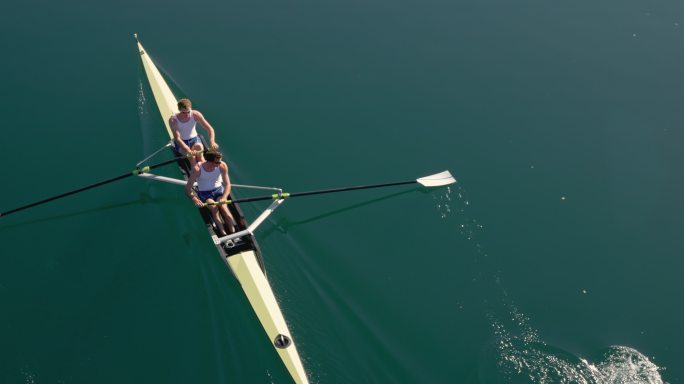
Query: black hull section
x=245 y=243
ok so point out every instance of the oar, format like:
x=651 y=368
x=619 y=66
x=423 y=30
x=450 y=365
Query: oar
x=135 y=172
x=436 y=180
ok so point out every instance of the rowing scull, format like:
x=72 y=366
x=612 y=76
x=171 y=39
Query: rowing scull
x=244 y=259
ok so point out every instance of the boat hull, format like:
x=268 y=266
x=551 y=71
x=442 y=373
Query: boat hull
x=244 y=258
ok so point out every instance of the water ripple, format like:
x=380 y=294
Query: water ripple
x=523 y=357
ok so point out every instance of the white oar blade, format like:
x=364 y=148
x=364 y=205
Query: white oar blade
x=437 y=180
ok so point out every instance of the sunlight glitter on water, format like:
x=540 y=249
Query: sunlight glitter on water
x=521 y=353
x=443 y=199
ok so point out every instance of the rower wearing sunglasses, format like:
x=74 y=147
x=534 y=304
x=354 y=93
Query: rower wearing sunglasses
x=184 y=133
x=213 y=186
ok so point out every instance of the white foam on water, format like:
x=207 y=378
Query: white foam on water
x=627 y=365
x=522 y=356
x=518 y=353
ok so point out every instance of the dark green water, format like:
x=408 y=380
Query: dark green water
x=555 y=259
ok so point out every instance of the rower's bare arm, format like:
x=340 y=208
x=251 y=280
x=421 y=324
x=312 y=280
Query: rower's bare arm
x=226 y=180
x=205 y=124
x=191 y=181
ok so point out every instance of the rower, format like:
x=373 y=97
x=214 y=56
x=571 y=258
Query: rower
x=184 y=133
x=213 y=186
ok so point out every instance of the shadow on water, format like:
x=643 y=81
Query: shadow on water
x=144 y=199
x=282 y=225
x=516 y=351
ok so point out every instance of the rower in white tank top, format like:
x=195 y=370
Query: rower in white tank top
x=213 y=185
x=186 y=129
x=209 y=180
x=183 y=126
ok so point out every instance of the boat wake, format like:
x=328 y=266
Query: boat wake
x=142 y=101
x=517 y=352
x=148 y=138
x=523 y=357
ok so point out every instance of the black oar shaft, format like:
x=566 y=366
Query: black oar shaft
x=333 y=190
x=135 y=172
x=64 y=194
x=322 y=191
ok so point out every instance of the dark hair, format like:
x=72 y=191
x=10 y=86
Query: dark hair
x=213 y=156
x=184 y=104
